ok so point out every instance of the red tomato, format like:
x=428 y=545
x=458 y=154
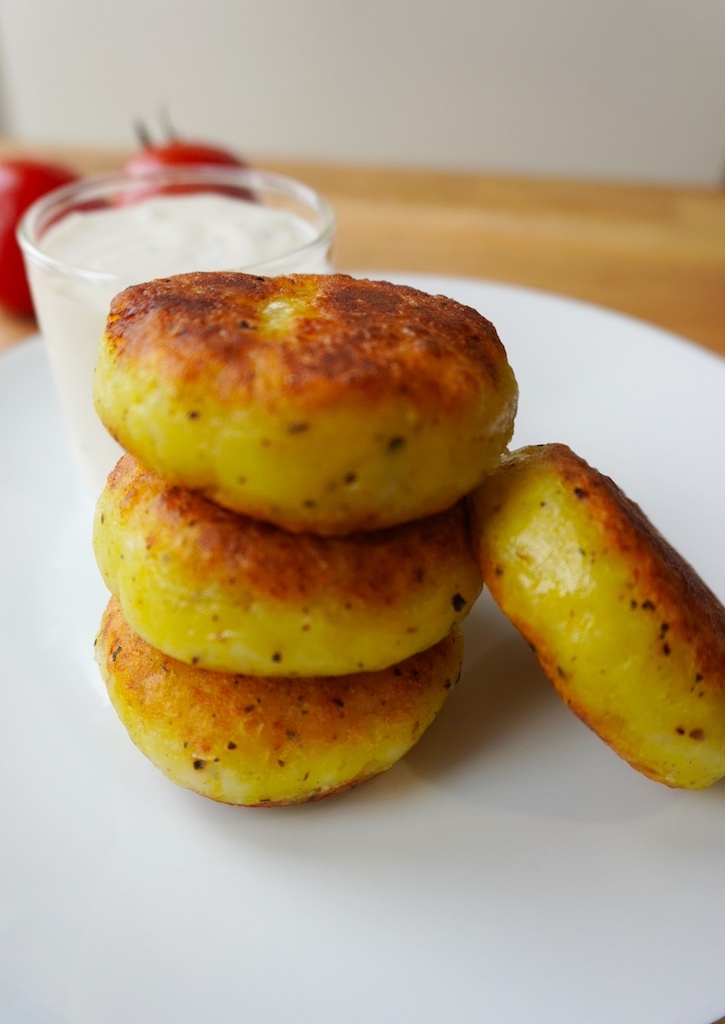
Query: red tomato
x=21 y=183
x=154 y=157
x=175 y=153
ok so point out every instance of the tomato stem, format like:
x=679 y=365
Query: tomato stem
x=142 y=134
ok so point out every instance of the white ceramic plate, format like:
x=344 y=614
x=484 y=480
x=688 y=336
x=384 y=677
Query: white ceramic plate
x=511 y=869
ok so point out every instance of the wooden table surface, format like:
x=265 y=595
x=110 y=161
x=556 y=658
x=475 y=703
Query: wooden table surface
x=654 y=252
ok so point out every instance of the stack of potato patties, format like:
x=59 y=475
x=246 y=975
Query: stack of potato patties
x=287 y=539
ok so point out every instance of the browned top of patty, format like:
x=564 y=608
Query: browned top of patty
x=305 y=334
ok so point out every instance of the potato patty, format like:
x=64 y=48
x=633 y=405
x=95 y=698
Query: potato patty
x=220 y=590
x=318 y=403
x=627 y=632
x=250 y=740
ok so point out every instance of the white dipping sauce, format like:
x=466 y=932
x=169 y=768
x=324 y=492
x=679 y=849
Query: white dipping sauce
x=101 y=251
x=173 y=234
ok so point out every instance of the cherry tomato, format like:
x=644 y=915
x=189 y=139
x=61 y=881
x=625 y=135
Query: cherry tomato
x=176 y=152
x=21 y=183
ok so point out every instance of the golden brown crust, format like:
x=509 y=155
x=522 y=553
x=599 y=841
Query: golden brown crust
x=358 y=336
x=260 y=741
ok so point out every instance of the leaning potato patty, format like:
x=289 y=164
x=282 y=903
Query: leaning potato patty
x=629 y=635
x=318 y=403
x=252 y=740
x=220 y=590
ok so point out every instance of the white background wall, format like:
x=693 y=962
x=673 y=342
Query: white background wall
x=624 y=89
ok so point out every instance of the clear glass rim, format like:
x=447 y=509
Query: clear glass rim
x=97 y=186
